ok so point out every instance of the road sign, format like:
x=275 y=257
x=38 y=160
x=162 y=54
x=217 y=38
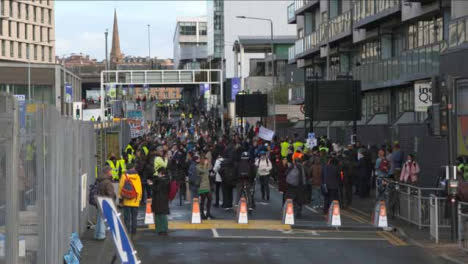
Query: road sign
x=121 y=240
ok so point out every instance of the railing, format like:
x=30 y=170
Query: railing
x=437 y=221
x=291 y=14
x=299 y=46
x=458 y=29
x=463 y=225
x=340 y=24
x=366 y=8
x=421 y=61
x=291 y=53
x=313 y=40
x=298 y=4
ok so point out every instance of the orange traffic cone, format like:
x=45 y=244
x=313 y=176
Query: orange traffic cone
x=334 y=214
x=149 y=217
x=196 y=218
x=242 y=217
x=288 y=212
x=380 y=215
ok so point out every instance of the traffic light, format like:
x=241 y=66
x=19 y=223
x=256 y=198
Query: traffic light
x=438 y=119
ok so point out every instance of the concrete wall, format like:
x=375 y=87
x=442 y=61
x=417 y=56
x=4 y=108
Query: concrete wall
x=235 y=27
x=459 y=8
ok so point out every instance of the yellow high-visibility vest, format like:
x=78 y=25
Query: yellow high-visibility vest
x=115 y=169
x=145 y=150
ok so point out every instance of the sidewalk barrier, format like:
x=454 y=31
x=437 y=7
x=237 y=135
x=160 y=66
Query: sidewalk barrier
x=196 y=217
x=241 y=215
x=412 y=204
x=437 y=219
x=463 y=225
x=334 y=214
x=149 y=217
x=379 y=218
x=288 y=212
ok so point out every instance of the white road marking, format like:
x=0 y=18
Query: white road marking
x=311 y=209
x=215 y=232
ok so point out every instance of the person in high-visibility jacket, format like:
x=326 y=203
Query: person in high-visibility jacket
x=93 y=119
x=129 y=147
x=190 y=116
x=159 y=161
x=112 y=162
x=284 y=148
x=145 y=150
x=298 y=144
x=182 y=115
x=463 y=168
x=121 y=166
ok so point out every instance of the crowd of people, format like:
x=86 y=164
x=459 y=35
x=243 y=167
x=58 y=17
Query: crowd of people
x=191 y=157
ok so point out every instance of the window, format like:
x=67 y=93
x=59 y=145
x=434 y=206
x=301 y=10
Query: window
x=34 y=32
x=425 y=32
x=12 y=49
x=20 y=50
x=2 y=7
x=27 y=11
x=50 y=17
x=405 y=100
x=377 y=102
x=35 y=52
x=48 y=35
x=50 y=54
x=43 y=15
x=175 y=95
x=17 y=29
x=35 y=14
x=25 y=31
x=166 y=95
x=19 y=10
x=188 y=28
x=202 y=29
x=3 y=47
x=28 y=50
x=1 y=27
x=40 y=34
x=11 y=8
x=42 y=54
x=9 y=28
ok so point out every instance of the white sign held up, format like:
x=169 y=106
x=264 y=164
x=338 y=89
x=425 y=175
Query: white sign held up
x=266 y=134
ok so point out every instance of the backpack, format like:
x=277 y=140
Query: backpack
x=384 y=165
x=293 y=176
x=128 y=190
x=93 y=192
x=244 y=170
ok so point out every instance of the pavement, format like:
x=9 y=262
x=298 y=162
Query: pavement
x=265 y=239
x=410 y=233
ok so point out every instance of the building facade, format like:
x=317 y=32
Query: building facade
x=27 y=31
x=224 y=28
x=393 y=47
x=190 y=43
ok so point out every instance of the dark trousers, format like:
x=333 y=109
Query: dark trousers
x=265 y=186
x=330 y=197
x=205 y=197
x=347 y=195
x=130 y=218
x=227 y=195
x=217 y=190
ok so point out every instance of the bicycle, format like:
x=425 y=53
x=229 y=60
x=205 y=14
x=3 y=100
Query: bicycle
x=248 y=194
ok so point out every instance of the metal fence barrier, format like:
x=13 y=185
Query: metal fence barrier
x=437 y=220
x=46 y=164
x=463 y=225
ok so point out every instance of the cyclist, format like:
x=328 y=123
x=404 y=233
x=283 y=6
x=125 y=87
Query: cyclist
x=245 y=175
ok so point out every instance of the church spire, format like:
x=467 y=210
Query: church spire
x=115 y=55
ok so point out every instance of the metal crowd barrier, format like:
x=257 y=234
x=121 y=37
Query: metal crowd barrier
x=463 y=225
x=437 y=220
x=413 y=204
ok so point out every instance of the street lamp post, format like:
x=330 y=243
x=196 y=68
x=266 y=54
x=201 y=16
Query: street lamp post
x=272 y=64
x=149 y=46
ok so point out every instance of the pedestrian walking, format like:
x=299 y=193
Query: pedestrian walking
x=218 y=179
x=204 y=190
x=331 y=183
x=104 y=188
x=315 y=181
x=410 y=171
x=130 y=191
x=264 y=167
x=295 y=178
x=160 y=202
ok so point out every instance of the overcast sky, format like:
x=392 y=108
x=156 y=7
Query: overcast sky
x=80 y=25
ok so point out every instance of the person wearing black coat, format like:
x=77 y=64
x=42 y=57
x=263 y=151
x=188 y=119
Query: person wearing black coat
x=331 y=179
x=364 y=172
x=160 y=202
x=297 y=192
